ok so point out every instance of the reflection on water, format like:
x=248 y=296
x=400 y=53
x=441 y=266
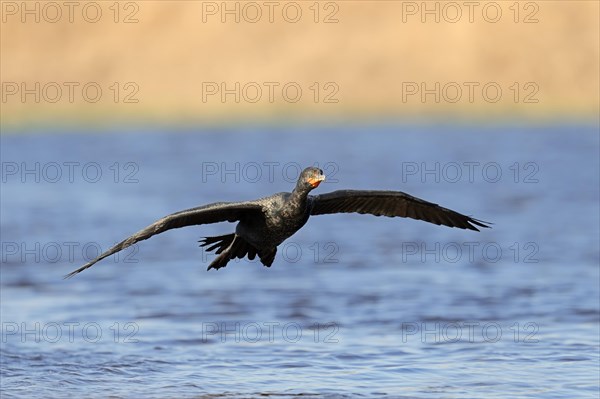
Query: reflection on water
x=352 y=305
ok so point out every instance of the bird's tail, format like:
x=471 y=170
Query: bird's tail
x=229 y=246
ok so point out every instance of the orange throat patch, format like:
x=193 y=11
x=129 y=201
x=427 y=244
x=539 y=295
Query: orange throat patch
x=314 y=182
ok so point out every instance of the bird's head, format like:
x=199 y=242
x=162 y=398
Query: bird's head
x=310 y=178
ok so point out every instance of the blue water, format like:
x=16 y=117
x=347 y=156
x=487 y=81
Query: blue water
x=352 y=306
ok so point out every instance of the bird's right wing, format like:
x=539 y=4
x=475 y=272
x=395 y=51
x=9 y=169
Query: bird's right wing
x=391 y=204
x=212 y=213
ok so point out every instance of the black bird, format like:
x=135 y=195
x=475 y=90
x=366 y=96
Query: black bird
x=265 y=223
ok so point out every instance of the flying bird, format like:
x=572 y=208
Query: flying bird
x=265 y=223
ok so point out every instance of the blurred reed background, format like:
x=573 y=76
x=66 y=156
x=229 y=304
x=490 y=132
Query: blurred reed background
x=193 y=62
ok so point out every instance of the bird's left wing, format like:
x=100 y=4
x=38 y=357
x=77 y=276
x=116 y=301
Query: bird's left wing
x=212 y=213
x=391 y=203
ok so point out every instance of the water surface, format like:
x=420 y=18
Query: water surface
x=353 y=305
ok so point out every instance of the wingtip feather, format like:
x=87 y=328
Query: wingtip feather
x=74 y=272
x=480 y=223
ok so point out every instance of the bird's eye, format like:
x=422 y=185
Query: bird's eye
x=321 y=171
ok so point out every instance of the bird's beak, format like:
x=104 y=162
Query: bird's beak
x=315 y=181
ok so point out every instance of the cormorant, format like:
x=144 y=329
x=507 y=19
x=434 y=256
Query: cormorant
x=265 y=223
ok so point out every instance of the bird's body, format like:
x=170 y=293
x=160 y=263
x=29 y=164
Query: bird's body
x=284 y=214
x=265 y=223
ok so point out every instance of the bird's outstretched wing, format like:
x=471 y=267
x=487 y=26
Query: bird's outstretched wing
x=391 y=203
x=212 y=213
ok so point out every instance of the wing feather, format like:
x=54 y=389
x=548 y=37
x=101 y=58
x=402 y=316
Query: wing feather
x=391 y=204
x=212 y=213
